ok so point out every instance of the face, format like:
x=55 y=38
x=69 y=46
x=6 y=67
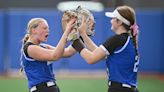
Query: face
x=42 y=31
x=115 y=24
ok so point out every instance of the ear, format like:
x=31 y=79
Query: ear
x=119 y=22
x=33 y=31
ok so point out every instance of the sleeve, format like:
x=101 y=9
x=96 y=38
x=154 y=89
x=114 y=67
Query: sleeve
x=116 y=41
x=26 y=47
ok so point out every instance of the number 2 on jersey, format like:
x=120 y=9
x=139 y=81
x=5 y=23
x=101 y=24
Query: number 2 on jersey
x=135 y=69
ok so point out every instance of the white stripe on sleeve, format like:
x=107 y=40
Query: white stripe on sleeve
x=104 y=49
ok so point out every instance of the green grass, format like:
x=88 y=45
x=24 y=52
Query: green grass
x=13 y=85
x=149 y=84
x=81 y=85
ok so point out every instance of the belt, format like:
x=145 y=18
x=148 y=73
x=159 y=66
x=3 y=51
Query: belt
x=111 y=83
x=47 y=84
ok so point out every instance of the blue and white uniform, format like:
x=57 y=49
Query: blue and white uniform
x=121 y=59
x=36 y=71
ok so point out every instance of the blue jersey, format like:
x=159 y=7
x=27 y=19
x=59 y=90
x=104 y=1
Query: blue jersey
x=121 y=61
x=36 y=71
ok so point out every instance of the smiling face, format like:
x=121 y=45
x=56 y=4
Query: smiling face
x=114 y=24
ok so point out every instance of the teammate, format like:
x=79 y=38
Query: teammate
x=120 y=51
x=37 y=58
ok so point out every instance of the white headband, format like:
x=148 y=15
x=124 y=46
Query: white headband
x=116 y=14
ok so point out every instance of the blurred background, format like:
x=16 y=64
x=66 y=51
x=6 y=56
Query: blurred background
x=74 y=74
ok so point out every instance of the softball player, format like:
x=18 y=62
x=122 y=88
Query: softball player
x=120 y=51
x=36 y=58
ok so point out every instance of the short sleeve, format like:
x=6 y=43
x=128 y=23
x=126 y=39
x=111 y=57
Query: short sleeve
x=116 y=41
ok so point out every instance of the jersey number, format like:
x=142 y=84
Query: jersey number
x=135 y=69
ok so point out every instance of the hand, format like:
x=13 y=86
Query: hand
x=91 y=24
x=83 y=27
x=70 y=25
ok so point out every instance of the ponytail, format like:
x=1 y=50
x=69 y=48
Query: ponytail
x=24 y=40
x=134 y=33
x=129 y=14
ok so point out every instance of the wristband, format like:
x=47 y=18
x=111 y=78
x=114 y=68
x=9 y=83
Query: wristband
x=78 y=45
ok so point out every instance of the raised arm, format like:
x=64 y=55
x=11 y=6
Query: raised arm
x=90 y=57
x=69 y=51
x=44 y=54
x=107 y=48
x=93 y=57
x=61 y=45
x=82 y=29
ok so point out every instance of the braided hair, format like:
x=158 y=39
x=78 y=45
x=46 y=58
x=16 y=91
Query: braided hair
x=129 y=14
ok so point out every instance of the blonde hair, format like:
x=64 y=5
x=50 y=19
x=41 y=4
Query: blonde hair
x=33 y=23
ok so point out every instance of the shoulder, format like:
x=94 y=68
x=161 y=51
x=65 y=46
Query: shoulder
x=115 y=41
x=25 y=48
x=118 y=38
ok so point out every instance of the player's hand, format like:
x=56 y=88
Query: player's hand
x=83 y=27
x=70 y=25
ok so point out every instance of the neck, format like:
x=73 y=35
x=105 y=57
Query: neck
x=121 y=30
x=34 y=41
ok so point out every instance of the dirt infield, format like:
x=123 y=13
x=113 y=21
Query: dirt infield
x=101 y=74
x=80 y=74
x=84 y=74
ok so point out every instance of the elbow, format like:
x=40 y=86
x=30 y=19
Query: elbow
x=91 y=61
x=56 y=57
x=68 y=54
x=65 y=56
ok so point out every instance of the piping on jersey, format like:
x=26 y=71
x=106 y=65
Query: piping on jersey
x=27 y=57
x=44 y=45
x=104 y=49
x=49 y=62
x=120 y=50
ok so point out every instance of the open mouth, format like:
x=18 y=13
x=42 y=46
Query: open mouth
x=46 y=36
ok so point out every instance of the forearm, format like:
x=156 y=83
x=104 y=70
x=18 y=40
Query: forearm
x=89 y=43
x=85 y=53
x=59 y=50
x=88 y=56
x=92 y=57
x=69 y=51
